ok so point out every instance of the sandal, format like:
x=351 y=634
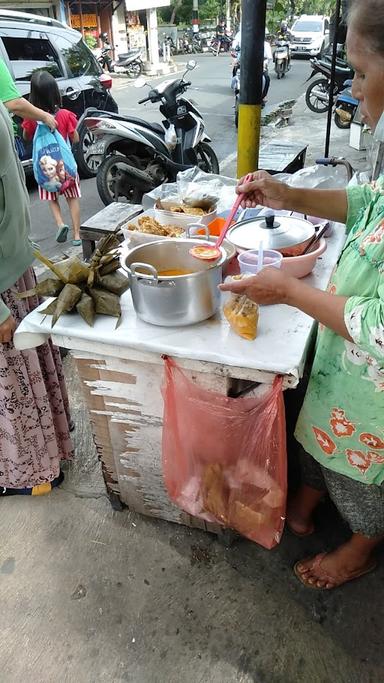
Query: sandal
x=317 y=560
x=62 y=233
x=77 y=243
x=39 y=490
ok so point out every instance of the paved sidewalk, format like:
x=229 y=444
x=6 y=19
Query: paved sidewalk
x=90 y=595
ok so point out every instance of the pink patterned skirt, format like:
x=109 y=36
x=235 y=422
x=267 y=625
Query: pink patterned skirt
x=34 y=409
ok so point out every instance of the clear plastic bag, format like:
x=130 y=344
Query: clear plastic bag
x=224 y=459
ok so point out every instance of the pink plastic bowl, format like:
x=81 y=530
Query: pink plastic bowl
x=300 y=266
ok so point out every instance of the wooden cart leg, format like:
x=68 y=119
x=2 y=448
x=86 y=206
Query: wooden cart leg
x=88 y=248
x=115 y=501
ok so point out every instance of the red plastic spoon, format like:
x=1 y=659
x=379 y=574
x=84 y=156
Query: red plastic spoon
x=211 y=252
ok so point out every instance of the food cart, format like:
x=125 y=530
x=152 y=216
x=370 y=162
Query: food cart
x=121 y=370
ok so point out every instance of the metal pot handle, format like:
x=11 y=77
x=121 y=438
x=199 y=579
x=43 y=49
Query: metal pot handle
x=193 y=228
x=152 y=275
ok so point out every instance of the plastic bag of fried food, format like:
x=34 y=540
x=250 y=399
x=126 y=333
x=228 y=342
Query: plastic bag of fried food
x=149 y=225
x=242 y=313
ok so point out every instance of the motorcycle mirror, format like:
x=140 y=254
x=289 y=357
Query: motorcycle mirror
x=140 y=82
x=191 y=65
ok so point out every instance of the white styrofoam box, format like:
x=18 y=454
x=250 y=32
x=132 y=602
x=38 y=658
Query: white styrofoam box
x=182 y=220
x=136 y=238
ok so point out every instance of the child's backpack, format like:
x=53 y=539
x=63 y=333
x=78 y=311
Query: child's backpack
x=54 y=165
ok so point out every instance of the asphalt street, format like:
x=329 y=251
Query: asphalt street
x=212 y=94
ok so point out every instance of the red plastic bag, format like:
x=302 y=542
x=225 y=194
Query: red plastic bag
x=224 y=459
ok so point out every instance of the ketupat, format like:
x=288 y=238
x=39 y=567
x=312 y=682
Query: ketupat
x=70 y=271
x=66 y=301
x=117 y=283
x=49 y=287
x=86 y=308
x=50 y=309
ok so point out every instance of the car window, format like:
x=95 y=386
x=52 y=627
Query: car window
x=79 y=59
x=308 y=26
x=29 y=53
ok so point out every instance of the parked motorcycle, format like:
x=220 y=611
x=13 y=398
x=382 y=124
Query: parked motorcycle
x=105 y=59
x=129 y=63
x=168 y=42
x=318 y=91
x=282 y=58
x=138 y=156
x=218 y=45
x=345 y=107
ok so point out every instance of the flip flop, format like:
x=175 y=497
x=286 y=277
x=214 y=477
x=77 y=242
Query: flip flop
x=317 y=560
x=62 y=233
x=39 y=490
x=76 y=243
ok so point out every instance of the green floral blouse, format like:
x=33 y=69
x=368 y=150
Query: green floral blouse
x=341 y=423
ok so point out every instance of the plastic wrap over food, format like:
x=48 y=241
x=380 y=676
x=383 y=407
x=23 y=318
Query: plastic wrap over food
x=224 y=459
x=195 y=188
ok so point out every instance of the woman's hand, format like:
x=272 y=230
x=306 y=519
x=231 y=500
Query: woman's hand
x=7 y=329
x=270 y=286
x=50 y=121
x=263 y=189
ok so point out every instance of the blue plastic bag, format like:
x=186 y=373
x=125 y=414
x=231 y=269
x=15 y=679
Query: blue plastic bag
x=54 y=165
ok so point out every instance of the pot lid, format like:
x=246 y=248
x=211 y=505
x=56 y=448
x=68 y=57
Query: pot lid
x=276 y=232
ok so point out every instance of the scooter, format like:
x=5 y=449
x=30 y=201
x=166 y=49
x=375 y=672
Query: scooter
x=105 y=59
x=129 y=63
x=282 y=58
x=345 y=107
x=235 y=85
x=318 y=91
x=137 y=155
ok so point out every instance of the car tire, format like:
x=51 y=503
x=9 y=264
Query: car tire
x=85 y=140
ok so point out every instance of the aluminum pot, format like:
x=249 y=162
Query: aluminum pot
x=175 y=300
x=286 y=234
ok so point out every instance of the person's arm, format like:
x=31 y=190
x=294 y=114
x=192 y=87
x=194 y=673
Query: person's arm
x=74 y=137
x=21 y=107
x=273 y=286
x=264 y=189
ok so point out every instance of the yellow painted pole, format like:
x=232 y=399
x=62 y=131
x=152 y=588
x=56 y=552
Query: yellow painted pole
x=251 y=85
x=248 y=138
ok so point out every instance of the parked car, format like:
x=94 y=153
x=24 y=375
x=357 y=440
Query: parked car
x=29 y=42
x=310 y=35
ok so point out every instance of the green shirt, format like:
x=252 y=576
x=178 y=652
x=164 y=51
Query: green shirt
x=8 y=90
x=15 y=249
x=341 y=423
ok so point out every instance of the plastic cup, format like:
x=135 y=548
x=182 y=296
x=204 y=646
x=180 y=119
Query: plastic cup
x=248 y=260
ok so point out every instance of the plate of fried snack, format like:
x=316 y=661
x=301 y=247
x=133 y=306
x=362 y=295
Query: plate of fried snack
x=183 y=212
x=147 y=228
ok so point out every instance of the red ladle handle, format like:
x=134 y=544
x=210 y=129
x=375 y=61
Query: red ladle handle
x=231 y=216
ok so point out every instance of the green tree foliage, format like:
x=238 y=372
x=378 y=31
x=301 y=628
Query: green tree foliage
x=180 y=11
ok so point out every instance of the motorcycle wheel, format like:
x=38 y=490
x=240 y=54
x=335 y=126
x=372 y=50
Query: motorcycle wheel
x=109 y=177
x=134 y=69
x=313 y=102
x=344 y=125
x=206 y=158
x=87 y=166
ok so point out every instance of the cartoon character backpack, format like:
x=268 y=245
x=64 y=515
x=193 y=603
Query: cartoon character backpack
x=54 y=165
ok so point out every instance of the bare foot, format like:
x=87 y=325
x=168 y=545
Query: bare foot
x=299 y=523
x=330 y=570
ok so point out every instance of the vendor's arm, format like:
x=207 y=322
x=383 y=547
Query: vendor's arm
x=7 y=324
x=273 y=286
x=264 y=189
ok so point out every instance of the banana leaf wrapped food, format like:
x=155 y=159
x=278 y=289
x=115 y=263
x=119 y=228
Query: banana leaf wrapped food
x=49 y=287
x=105 y=302
x=50 y=309
x=117 y=283
x=86 y=308
x=66 y=301
x=70 y=271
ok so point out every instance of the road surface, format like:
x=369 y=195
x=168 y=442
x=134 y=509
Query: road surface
x=212 y=93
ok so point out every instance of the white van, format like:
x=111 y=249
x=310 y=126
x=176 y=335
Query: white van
x=310 y=35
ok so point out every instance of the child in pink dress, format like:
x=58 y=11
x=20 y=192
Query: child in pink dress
x=45 y=94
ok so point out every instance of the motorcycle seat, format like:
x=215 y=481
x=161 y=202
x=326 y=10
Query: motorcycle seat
x=156 y=127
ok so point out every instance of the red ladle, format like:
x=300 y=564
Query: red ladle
x=211 y=252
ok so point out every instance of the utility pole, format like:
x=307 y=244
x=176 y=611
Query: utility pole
x=251 y=85
x=195 y=16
